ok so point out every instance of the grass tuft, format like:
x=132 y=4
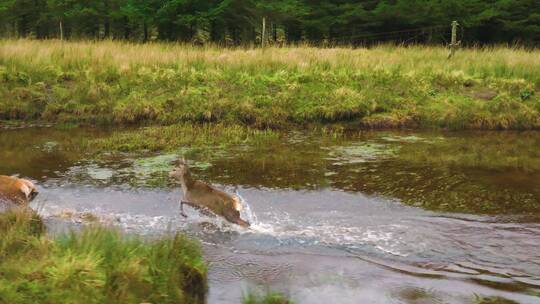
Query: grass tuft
x=96 y=265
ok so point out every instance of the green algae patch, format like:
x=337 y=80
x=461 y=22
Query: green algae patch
x=98 y=173
x=361 y=153
x=154 y=164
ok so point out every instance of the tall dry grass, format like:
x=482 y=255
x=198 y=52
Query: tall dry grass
x=501 y=61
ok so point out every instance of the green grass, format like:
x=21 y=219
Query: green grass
x=268 y=298
x=95 y=265
x=382 y=87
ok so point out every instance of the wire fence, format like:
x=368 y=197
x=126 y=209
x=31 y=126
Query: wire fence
x=426 y=34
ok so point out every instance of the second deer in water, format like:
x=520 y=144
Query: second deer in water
x=17 y=190
x=201 y=195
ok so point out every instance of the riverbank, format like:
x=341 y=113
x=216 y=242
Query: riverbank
x=382 y=87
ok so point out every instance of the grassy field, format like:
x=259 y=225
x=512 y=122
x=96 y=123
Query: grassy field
x=96 y=265
x=382 y=87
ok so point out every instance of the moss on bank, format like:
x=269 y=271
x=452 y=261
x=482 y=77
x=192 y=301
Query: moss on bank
x=97 y=265
x=114 y=82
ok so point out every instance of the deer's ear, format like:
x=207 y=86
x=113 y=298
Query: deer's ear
x=183 y=160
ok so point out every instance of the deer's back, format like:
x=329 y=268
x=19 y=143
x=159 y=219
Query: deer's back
x=10 y=189
x=205 y=195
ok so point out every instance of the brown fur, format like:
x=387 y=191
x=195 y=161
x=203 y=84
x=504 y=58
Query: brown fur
x=199 y=194
x=17 y=190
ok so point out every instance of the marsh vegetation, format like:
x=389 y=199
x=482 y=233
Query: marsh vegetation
x=380 y=87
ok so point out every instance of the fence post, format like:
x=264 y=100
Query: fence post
x=454 y=43
x=263 y=34
x=61 y=31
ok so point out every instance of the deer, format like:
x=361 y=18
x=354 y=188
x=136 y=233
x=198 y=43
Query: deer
x=201 y=195
x=17 y=190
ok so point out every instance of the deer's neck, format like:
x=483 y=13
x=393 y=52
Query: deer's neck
x=187 y=181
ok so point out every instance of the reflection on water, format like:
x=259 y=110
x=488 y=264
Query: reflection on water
x=332 y=218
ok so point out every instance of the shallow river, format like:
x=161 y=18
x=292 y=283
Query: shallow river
x=375 y=217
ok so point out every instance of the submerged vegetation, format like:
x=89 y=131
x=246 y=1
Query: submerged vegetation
x=382 y=87
x=474 y=172
x=178 y=136
x=492 y=300
x=269 y=298
x=96 y=265
x=471 y=172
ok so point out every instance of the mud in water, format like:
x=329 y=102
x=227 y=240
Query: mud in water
x=374 y=217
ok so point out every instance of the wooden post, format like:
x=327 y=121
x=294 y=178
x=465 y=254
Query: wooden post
x=263 y=33
x=61 y=31
x=454 y=43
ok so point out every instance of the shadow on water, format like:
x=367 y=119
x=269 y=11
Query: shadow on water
x=334 y=219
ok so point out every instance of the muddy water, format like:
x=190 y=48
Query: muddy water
x=375 y=217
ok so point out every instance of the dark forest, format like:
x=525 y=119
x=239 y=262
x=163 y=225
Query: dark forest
x=239 y=22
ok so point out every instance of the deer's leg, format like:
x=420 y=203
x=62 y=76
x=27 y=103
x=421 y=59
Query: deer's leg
x=182 y=209
x=207 y=212
x=201 y=209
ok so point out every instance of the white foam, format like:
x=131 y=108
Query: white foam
x=246 y=212
x=278 y=225
x=282 y=226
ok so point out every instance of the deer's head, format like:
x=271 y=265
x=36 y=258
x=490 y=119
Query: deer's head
x=233 y=216
x=180 y=169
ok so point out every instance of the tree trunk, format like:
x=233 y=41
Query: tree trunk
x=234 y=35
x=107 y=28
x=126 y=29
x=107 y=23
x=145 y=29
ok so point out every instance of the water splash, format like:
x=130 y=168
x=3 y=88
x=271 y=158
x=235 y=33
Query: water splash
x=255 y=225
x=287 y=230
x=246 y=212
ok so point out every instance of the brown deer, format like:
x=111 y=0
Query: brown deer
x=16 y=190
x=203 y=196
